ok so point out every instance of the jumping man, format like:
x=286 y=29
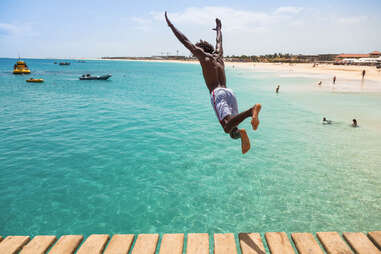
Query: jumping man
x=223 y=99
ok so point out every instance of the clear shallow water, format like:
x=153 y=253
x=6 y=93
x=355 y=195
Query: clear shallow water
x=144 y=152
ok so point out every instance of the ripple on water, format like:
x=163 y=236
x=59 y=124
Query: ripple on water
x=145 y=153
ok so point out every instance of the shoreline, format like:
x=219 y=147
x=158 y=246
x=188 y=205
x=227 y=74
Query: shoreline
x=349 y=77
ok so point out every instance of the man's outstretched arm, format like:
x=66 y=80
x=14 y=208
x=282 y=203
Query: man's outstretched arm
x=183 y=39
x=219 y=49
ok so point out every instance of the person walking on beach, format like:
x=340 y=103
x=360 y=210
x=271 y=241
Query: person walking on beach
x=334 y=79
x=223 y=99
x=363 y=74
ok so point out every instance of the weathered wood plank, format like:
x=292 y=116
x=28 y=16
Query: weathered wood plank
x=224 y=244
x=360 y=243
x=333 y=243
x=94 y=244
x=375 y=236
x=198 y=243
x=119 y=244
x=279 y=243
x=67 y=244
x=145 y=244
x=39 y=244
x=251 y=243
x=12 y=244
x=306 y=244
x=172 y=244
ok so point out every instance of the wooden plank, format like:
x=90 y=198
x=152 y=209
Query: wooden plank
x=172 y=244
x=333 y=243
x=279 y=243
x=306 y=243
x=67 y=244
x=94 y=244
x=145 y=244
x=198 y=243
x=224 y=244
x=251 y=243
x=119 y=244
x=360 y=243
x=12 y=244
x=375 y=236
x=39 y=244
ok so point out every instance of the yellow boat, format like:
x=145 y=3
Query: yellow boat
x=21 y=68
x=35 y=80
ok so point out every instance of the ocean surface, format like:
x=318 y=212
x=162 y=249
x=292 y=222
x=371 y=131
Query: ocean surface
x=143 y=152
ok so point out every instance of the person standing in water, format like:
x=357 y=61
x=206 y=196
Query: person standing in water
x=334 y=79
x=354 y=123
x=222 y=98
x=363 y=74
x=277 y=89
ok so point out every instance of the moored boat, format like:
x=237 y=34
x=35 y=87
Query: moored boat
x=35 y=80
x=21 y=68
x=89 y=77
x=64 y=63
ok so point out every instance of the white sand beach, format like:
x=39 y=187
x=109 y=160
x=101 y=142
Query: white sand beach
x=348 y=77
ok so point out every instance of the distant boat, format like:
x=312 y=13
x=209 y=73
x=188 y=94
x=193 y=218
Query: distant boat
x=35 y=80
x=64 y=63
x=89 y=77
x=21 y=68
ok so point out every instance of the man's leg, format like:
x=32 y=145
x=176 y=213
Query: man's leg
x=236 y=133
x=255 y=120
x=230 y=122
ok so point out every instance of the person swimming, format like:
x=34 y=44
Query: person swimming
x=325 y=121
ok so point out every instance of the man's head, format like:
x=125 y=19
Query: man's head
x=206 y=46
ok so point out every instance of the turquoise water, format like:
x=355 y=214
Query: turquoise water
x=144 y=152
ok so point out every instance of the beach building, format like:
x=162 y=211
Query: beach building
x=375 y=54
x=359 y=59
x=353 y=56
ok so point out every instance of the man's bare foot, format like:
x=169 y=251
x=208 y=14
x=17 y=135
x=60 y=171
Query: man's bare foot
x=245 y=142
x=255 y=120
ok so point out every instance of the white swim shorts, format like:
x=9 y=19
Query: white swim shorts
x=224 y=102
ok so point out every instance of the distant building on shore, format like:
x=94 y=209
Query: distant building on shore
x=373 y=54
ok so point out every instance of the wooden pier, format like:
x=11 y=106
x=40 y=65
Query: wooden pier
x=248 y=243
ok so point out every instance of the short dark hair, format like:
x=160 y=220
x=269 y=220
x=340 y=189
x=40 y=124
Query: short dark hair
x=206 y=46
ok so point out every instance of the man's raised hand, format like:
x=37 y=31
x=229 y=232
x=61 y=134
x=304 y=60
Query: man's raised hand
x=166 y=18
x=218 y=25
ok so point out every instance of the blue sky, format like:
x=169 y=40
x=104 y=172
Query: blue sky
x=137 y=28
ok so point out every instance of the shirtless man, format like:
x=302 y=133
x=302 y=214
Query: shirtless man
x=223 y=99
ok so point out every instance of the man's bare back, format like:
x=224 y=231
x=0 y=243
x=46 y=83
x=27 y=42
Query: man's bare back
x=213 y=70
x=223 y=99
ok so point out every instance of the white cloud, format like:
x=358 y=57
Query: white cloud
x=352 y=20
x=232 y=19
x=7 y=28
x=287 y=10
x=25 y=29
x=142 y=23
